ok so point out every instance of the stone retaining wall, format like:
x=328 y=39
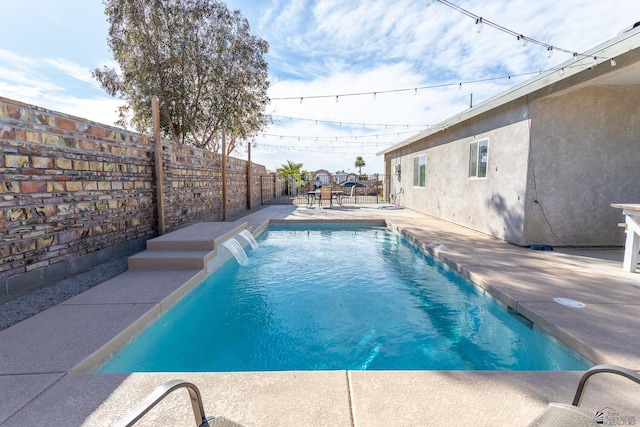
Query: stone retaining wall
x=73 y=191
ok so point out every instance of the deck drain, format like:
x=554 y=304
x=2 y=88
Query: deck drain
x=570 y=302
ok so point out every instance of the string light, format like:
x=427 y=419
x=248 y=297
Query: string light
x=479 y=28
x=387 y=125
x=328 y=150
x=523 y=39
x=362 y=146
x=434 y=86
x=480 y=21
x=348 y=123
x=414 y=89
x=334 y=138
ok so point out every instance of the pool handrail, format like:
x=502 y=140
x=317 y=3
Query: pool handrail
x=609 y=369
x=136 y=413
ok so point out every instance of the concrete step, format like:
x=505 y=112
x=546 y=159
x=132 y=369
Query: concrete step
x=199 y=236
x=170 y=259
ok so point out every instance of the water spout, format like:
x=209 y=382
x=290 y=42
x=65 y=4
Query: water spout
x=236 y=249
x=249 y=238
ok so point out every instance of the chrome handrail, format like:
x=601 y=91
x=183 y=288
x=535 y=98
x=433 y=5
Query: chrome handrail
x=609 y=369
x=136 y=413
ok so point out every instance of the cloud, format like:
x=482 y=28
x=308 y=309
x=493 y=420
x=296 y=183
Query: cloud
x=334 y=47
x=329 y=47
x=73 y=70
x=39 y=81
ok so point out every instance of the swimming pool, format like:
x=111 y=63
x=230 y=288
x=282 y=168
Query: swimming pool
x=319 y=297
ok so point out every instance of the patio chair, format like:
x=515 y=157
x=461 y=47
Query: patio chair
x=562 y=414
x=325 y=194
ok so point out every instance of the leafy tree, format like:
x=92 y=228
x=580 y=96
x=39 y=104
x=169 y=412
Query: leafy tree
x=359 y=163
x=292 y=172
x=199 y=58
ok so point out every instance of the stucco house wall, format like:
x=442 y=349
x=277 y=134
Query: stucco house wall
x=563 y=147
x=495 y=204
x=585 y=155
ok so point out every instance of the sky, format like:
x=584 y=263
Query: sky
x=347 y=78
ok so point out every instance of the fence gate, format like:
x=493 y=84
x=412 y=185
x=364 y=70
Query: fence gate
x=275 y=190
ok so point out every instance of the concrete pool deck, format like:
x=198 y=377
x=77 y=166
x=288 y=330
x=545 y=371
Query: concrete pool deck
x=43 y=359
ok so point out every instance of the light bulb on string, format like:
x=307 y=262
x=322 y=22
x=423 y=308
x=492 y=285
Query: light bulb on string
x=561 y=71
x=336 y=98
x=613 y=62
x=549 y=51
x=479 y=25
x=523 y=39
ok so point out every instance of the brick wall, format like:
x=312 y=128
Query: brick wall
x=73 y=192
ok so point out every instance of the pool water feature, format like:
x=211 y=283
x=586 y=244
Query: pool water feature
x=236 y=250
x=246 y=234
x=319 y=297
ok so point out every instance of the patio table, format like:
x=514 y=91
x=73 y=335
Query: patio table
x=632 y=245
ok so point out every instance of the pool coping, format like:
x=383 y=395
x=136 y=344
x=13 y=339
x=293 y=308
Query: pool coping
x=428 y=233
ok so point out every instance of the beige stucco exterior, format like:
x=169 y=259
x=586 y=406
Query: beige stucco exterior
x=585 y=155
x=449 y=193
x=561 y=150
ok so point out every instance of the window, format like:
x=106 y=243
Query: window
x=419 y=171
x=478 y=155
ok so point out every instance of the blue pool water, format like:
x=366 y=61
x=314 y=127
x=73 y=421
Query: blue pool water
x=315 y=297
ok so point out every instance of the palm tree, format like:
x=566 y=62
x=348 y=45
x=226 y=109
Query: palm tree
x=291 y=171
x=359 y=164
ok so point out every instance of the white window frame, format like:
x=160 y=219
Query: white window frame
x=420 y=171
x=478 y=158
